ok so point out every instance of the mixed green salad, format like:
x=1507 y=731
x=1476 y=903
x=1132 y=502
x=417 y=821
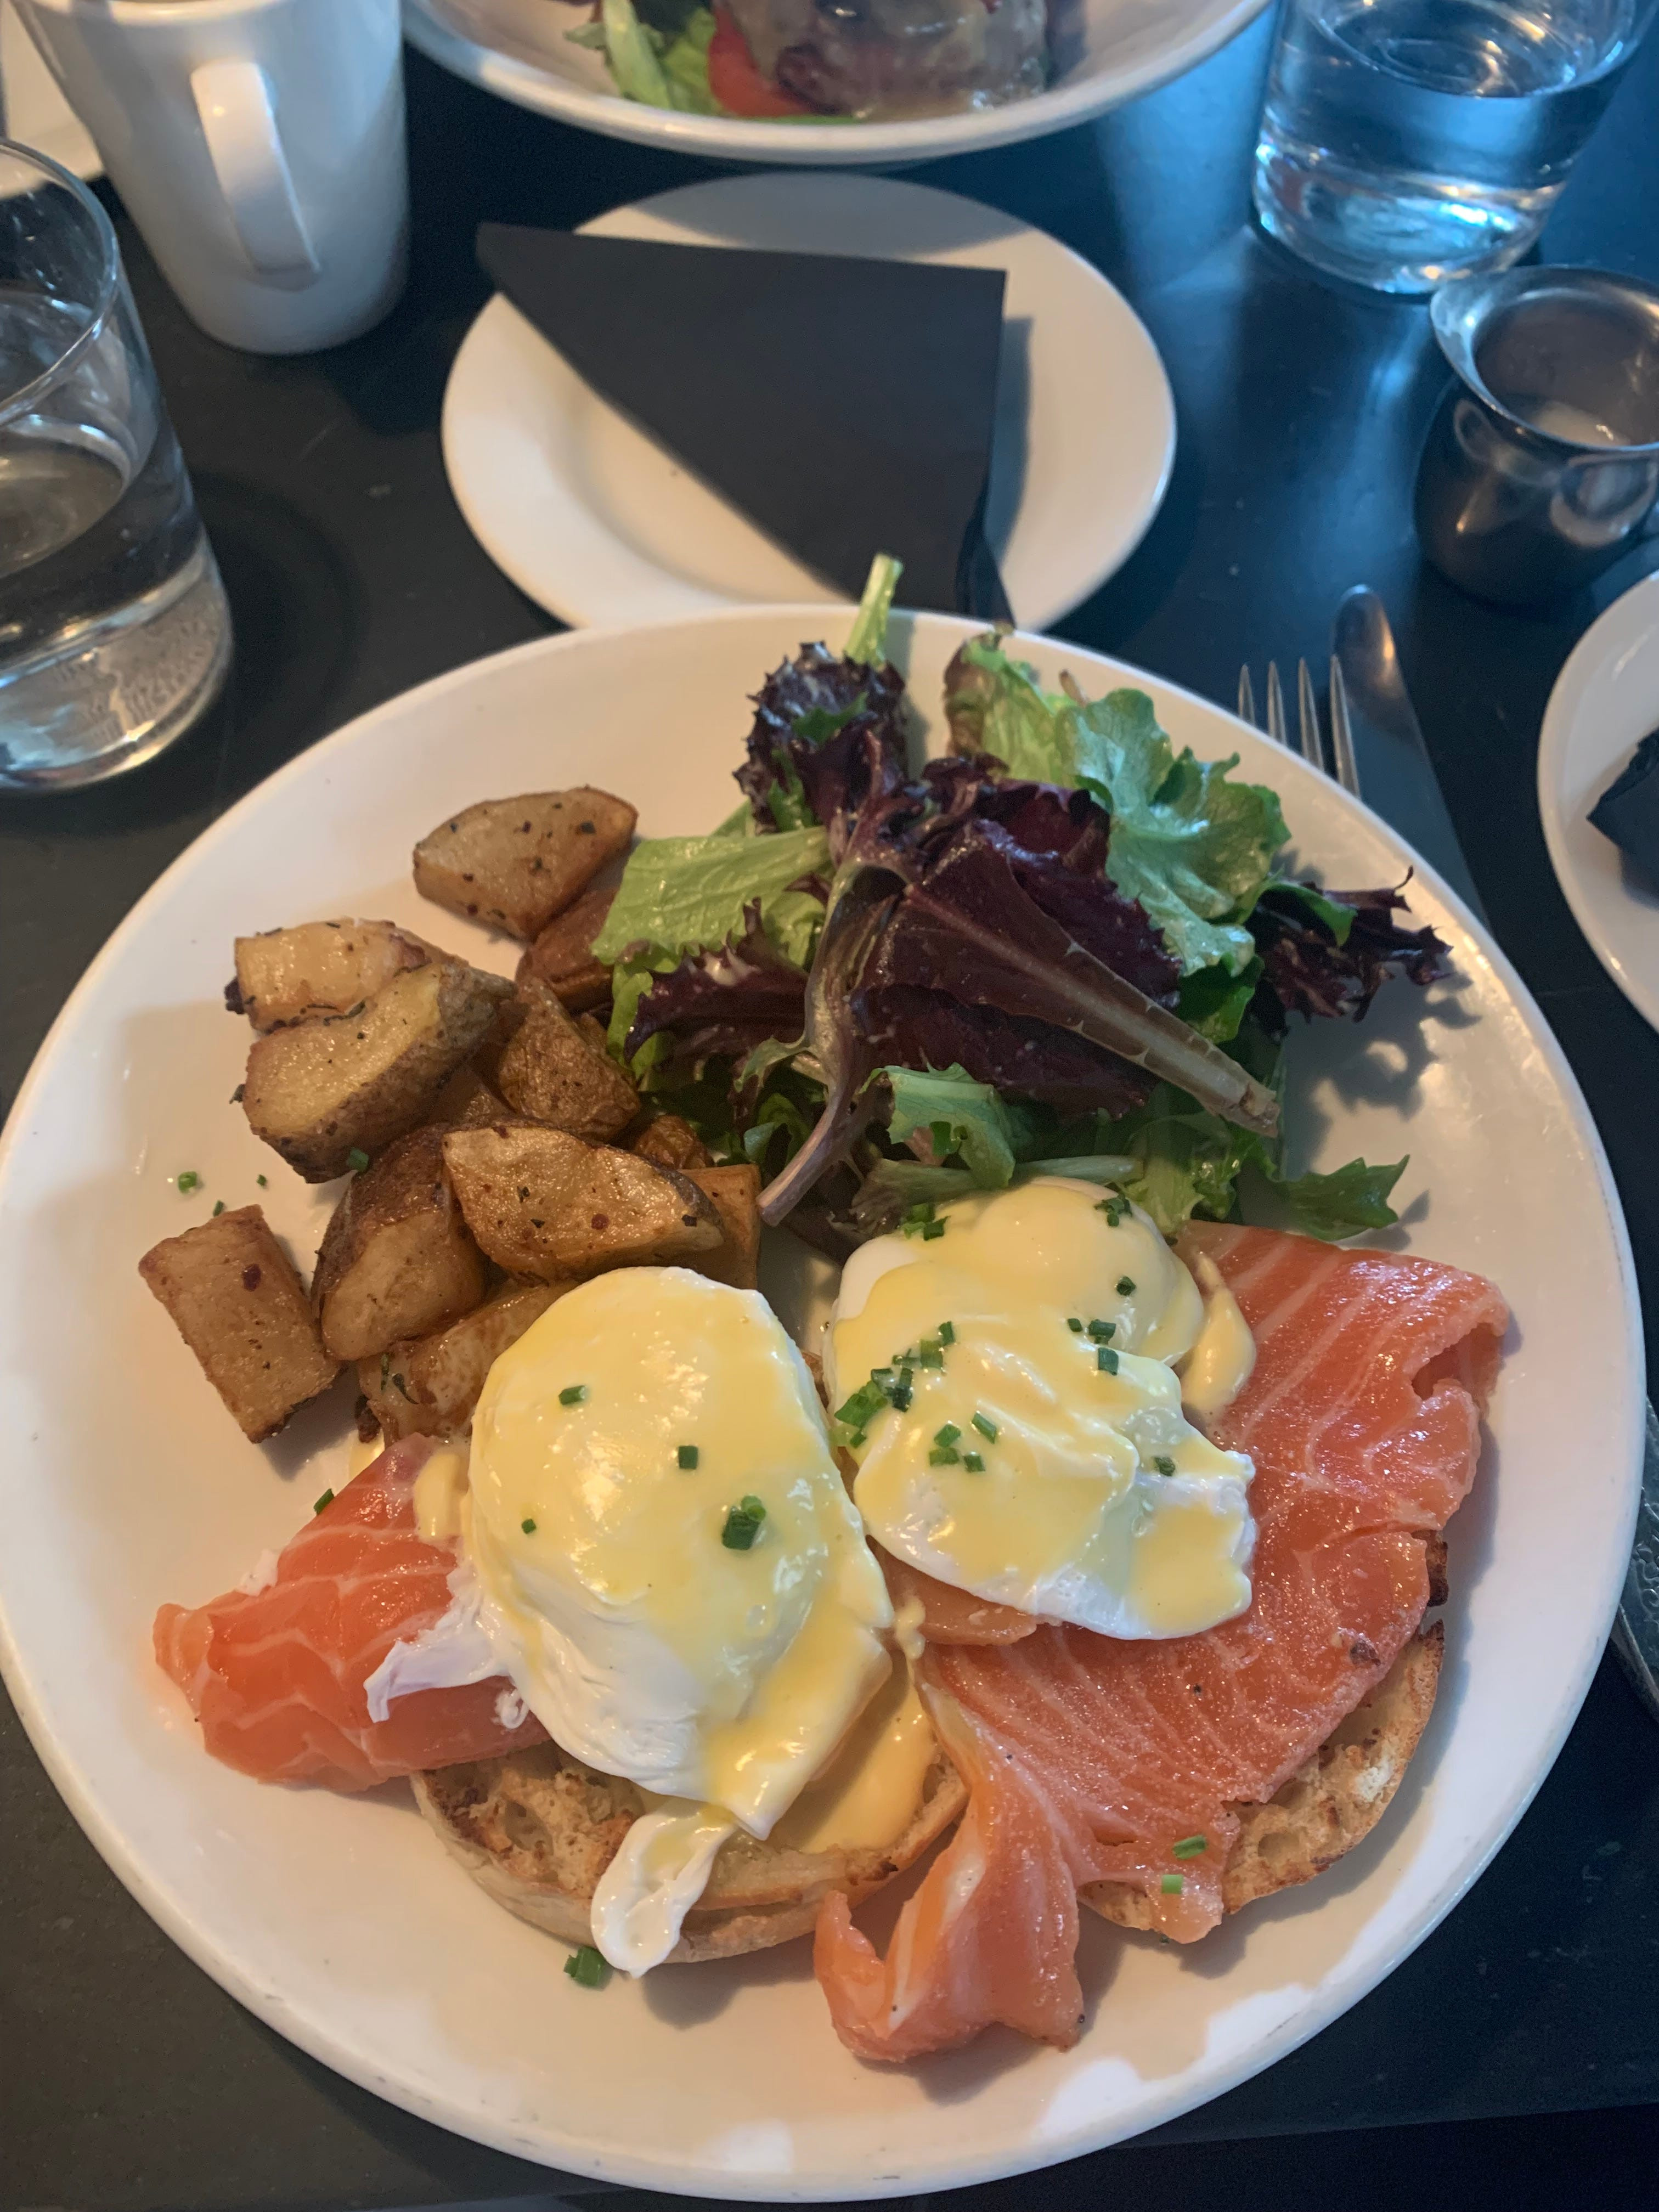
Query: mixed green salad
x=1065 y=945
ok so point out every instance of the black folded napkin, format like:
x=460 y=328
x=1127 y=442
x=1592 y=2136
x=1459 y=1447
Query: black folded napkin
x=844 y=406
x=1628 y=810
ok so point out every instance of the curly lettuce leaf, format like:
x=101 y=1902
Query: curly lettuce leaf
x=680 y=894
x=959 y=1118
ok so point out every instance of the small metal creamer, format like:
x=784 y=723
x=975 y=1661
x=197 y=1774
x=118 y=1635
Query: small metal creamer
x=1542 y=466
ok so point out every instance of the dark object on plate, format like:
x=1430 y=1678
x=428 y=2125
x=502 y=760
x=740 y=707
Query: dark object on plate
x=843 y=405
x=1628 y=810
x=886 y=58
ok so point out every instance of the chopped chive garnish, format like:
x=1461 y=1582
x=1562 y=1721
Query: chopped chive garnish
x=327 y=1499
x=857 y=1442
x=743 y=1524
x=899 y=1398
x=218 y=1207
x=1172 y=1885
x=1102 y=1332
x=881 y=1373
x=262 y=1182
x=1075 y=1326
x=987 y=1427
x=1114 y=1208
x=948 y=1435
x=1126 y=1286
x=588 y=1966
x=356 y=1159
x=1165 y=1464
x=933 y=1228
x=188 y=1181
x=687 y=1455
x=863 y=1403
x=947 y=1332
x=528 y=1526
x=973 y=1462
x=1106 y=1360
x=919 y=1217
x=944 y=1457
x=574 y=1394
x=931 y=1355
x=1190 y=1847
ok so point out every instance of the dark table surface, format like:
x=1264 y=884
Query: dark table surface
x=129 y=2082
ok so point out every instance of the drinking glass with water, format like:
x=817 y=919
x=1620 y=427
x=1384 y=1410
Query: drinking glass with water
x=114 y=634
x=1405 y=142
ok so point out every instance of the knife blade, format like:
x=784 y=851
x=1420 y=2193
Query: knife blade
x=1396 y=771
x=1397 y=777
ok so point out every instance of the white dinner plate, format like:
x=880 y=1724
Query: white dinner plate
x=600 y=523
x=1120 y=48
x=1605 y=700
x=341 y=1921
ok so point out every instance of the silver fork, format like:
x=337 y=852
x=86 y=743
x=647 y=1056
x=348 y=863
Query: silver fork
x=1341 y=764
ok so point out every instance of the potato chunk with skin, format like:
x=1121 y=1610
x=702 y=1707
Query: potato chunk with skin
x=466 y=1101
x=238 y=1303
x=672 y=1142
x=562 y=955
x=427 y=1386
x=553 y=1070
x=735 y=1195
x=322 y=1091
x=396 y=1259
x=514 y=863
x=318 y=967
x=541 y=1203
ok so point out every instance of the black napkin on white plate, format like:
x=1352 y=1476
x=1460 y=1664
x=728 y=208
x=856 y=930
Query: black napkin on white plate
x=846 y=406
x=1628 y=810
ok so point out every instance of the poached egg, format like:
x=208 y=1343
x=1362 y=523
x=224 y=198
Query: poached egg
x=1006 y=1378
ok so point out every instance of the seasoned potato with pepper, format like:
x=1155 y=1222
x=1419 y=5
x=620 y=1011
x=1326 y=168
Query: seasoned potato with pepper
x=670 y=1140
x=514 y=863
x=238 y=1303
x=318 y=967
x=324 y=1089
x=543 y=1203
x=556 y=1069
x=466 y=1100
x=562 y=955
x=735 y=1195
x=427 y=1386
x=396 y=1259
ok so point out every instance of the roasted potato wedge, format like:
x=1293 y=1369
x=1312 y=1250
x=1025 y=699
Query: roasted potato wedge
x=428 y=1385
x=322 y=1091
x=735 y=1195
x=318 y=967
x=466 y=1100
x=554 y=1070
x=238 y=1303
x=672 y=1143
x=562 y=955
x=396 y=1259
x=543 y=1203
x=515 y=863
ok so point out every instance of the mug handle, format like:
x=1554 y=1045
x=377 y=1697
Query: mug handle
x=239 y=122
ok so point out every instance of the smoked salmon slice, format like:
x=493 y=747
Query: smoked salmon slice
x=276 y=1674
x=1089 y=1758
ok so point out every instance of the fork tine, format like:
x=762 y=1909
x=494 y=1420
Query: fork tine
x=1307 y=715
x=1347 y=767
x=1275 y=706
x=1246 y=696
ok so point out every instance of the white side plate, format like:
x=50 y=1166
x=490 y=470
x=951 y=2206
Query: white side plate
x=340 y=1921
x=599 y=524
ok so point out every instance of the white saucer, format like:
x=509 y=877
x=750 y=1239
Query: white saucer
x=599 y=524
x=1605 y=700
x=32 y=109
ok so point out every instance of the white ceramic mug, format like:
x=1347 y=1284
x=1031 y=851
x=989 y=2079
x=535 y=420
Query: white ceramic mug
x=259 y=145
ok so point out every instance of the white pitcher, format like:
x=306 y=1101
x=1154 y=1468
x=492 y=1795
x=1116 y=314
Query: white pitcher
x=259 y=145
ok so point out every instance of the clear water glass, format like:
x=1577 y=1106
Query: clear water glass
x=1406 y=142
x=114 y=633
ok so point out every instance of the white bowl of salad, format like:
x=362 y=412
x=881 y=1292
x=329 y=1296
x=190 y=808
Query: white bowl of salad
x=824 y=83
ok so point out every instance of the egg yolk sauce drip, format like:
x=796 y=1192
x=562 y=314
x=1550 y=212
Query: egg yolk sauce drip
x=673 y=1570
x=1005 y=1377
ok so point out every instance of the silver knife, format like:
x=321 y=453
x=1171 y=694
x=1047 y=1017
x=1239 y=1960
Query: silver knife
x=1395 y=771
x=1397 y=775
